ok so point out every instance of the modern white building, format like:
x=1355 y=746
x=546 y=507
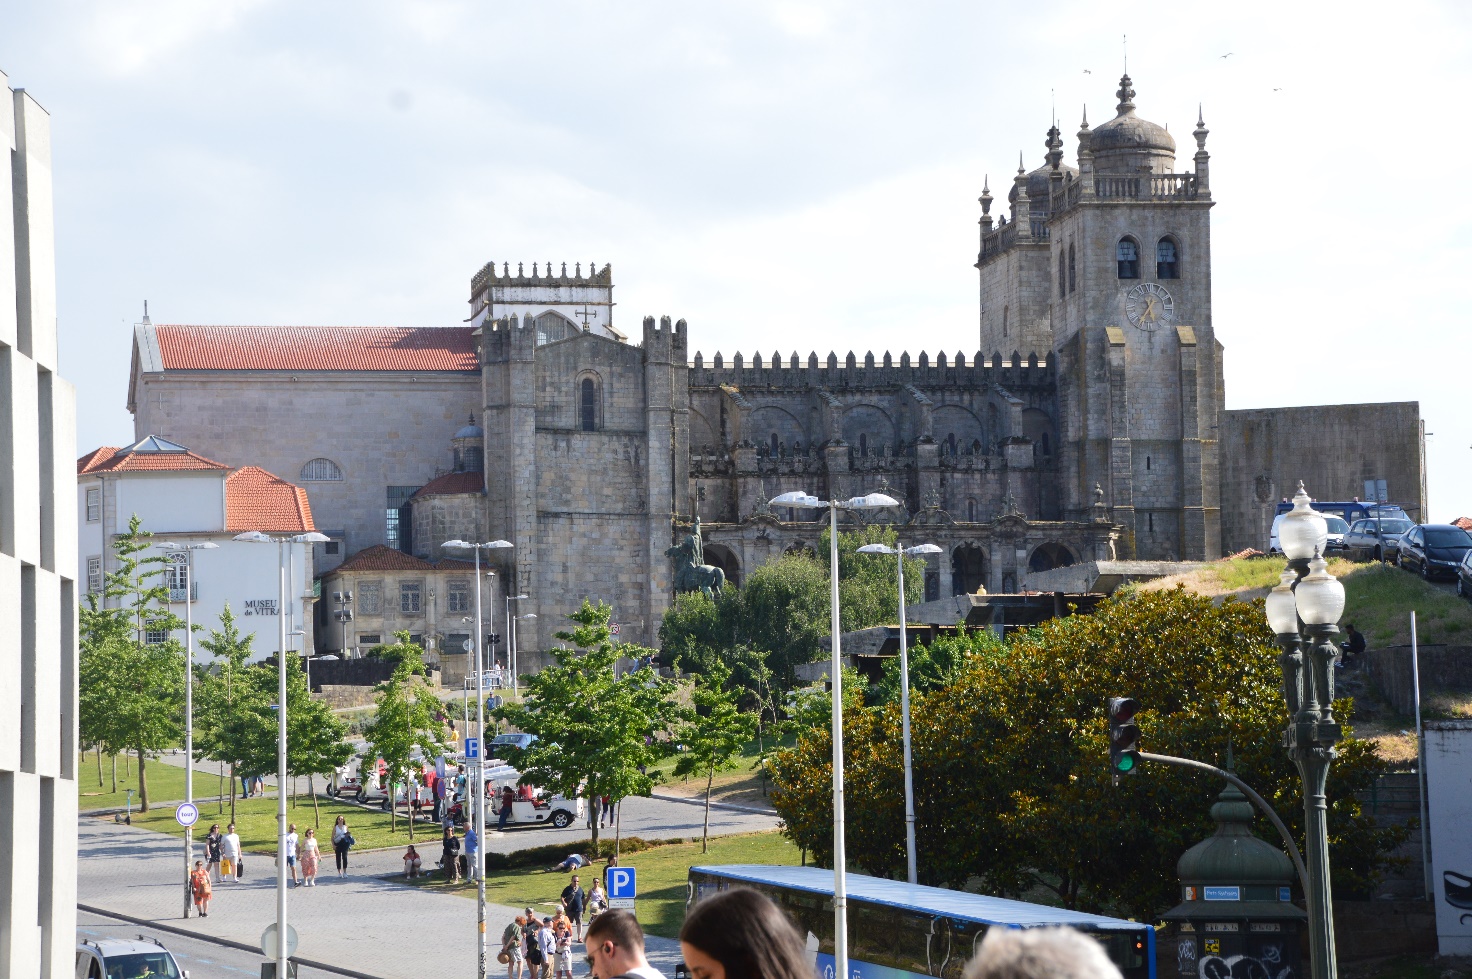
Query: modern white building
x=182 y=498
x=38 y=596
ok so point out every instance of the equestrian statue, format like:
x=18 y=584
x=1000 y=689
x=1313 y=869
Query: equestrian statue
x=690 y=574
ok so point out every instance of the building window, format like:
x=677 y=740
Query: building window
x=397 y=519
x=1167 y=260
x=1072 y=277
x=370 y=597
x=588 y=407
x=411 y=594
x=1047 y=445
x=1004 y=320
x=94 y=504
x=458 y=644
x=176 y=576
x=332 y=547
x=1062 y=278
x=94 y=574
x=459 y=597
x=155 y=637
x=370 y=639
x=1129 y=259
x=321 y=471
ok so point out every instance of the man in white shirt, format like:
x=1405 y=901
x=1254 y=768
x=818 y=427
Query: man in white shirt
x=547 y=942
x=615 y=945
x=230 y=850
x=291 y=839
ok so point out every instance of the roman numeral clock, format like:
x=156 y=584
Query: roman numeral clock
x=1149 y=306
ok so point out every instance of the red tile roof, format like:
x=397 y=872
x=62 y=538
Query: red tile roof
x=316 y=348
x=450 y=484
x=106 y=459
x=1464 y=522
x=381 y=557
x=257 y=500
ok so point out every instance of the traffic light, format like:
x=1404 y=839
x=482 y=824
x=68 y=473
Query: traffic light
x=1124 y=735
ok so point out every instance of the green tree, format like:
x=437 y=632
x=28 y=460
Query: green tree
x=597 y=732
x=1012 y=783
x=316 y=740
x=132 y=695
x=936 y=665
x=406 y=718
x=217 y=732
x=713 y=733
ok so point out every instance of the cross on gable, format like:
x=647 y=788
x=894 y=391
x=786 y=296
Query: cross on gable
x=585 y=314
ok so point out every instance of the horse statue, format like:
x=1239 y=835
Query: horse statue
x=690 y=574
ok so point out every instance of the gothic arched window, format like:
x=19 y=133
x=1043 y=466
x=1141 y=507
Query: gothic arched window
x=320 y=471
x=775 y=442
x=1129 y=258
x=863 y=444
x=1004 y=320
x=1072 y=276
x=1062 y=279
x=588 y=408
x=1167 y=259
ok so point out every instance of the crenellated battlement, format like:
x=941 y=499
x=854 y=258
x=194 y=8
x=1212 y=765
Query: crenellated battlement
x=945 y=371
x=542 y=274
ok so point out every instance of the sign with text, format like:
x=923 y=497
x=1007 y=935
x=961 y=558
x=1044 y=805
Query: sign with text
x=187 y=814
x=472 y=748
x=1221 y=893
x=261 y=606
x=622 y=882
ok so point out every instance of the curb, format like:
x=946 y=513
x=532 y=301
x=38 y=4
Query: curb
x=714 y=805
x=223 y=942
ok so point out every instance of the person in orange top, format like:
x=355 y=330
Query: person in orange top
x=199 y=883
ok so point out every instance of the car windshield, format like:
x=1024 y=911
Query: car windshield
x=1336 y=525
x=1448 y=537
x=142 y=965
x=1388 y=526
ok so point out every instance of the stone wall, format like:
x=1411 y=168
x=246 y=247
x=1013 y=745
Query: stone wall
x=1442 y=667
x=1332 y=448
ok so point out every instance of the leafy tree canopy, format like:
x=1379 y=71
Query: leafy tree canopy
x=1012 y=783
x=406 y=719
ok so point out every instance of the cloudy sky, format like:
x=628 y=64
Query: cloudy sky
x=782 y=173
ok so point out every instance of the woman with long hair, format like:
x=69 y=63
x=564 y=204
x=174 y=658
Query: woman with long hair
x=342 y=842
x=741 y=934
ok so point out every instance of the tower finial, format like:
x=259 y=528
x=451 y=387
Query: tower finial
x=1200 y=118
x=1020 y=168
x=1085 y=123
x=1126 y=95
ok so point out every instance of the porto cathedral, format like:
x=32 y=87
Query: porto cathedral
x=1089 y=424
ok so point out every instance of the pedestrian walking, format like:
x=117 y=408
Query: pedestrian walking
x=562 y=956
x=472 y=843
x=605 y=811
x=532 y=950
x=342 y=842
x=449 y=854
x=291 y=841
x=212 y=851
x=199 y=883
x=547 y=945
x=230 y=851
x=311 y=857
x=572 y=905
x=597 y=900
x=511 y=954
x=508 y=799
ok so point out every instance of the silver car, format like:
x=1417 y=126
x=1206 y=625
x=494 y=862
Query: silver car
x=1381 y=537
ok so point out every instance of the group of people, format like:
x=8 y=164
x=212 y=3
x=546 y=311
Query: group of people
x=225 y=860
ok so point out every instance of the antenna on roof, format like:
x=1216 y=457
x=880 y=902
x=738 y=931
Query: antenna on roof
x=146 y=320
x=1125 y=44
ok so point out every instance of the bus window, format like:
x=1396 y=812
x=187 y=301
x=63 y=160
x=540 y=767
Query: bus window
x=966 y=938
x=888 y=936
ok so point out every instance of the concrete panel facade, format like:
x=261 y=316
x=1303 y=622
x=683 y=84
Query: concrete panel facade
x=38 y=651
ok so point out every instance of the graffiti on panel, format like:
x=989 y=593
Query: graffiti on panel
x=1186 y=957
x=1267 y=965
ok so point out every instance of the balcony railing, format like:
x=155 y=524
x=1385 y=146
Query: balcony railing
x=178 y=594
x=1146 y=187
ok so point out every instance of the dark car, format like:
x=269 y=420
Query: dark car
x=1464 y=576
x=1379 y=536
x=1434 y=549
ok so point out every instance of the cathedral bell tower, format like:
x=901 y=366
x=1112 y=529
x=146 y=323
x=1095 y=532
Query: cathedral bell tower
x=1108 y=266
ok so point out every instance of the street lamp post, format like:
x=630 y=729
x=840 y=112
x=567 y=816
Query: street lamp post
x=511 y=638
x=344 y=602
x=282 y=556
x=1303 y=611
x=901 y=552
x=480 y=762
x=188 y=589
x=795 y=499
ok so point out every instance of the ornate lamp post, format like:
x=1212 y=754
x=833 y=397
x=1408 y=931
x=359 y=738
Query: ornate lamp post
x=1303 y=610
x=797 y=498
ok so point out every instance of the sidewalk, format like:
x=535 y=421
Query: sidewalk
x=361 y=921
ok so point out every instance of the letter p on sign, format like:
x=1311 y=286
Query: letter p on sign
x=622 y=883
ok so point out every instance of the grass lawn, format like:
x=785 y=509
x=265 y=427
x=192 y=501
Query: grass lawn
x=255 y=821
x=165 y=782
x=1378 y=598
x=741 y=784
x=663 y=871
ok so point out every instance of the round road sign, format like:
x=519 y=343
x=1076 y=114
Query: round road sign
x=187 y=814
x=268 y=941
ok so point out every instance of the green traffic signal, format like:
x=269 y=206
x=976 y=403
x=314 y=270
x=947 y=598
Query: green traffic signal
x=1124 y=735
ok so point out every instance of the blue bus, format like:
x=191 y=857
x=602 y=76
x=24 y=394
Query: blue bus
x=898 y=930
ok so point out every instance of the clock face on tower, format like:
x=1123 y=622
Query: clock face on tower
x=1149 y=306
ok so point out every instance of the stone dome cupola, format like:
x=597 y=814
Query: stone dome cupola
x=1130 y=144
x=469 y=448
x=1039 y=180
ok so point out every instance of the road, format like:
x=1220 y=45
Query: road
x=204 y=960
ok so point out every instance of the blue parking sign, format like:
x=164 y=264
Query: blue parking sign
x=622 y=883
x=472 y=748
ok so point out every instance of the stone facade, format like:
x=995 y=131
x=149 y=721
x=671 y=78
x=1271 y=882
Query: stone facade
x=1089 y=424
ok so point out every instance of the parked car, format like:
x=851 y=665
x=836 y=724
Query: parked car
x=125 y=957
x=1337 y=531
x=530 y=806
x=1464 y=576
x=1379 y=535
x=497 y=748
x=1435 y=550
